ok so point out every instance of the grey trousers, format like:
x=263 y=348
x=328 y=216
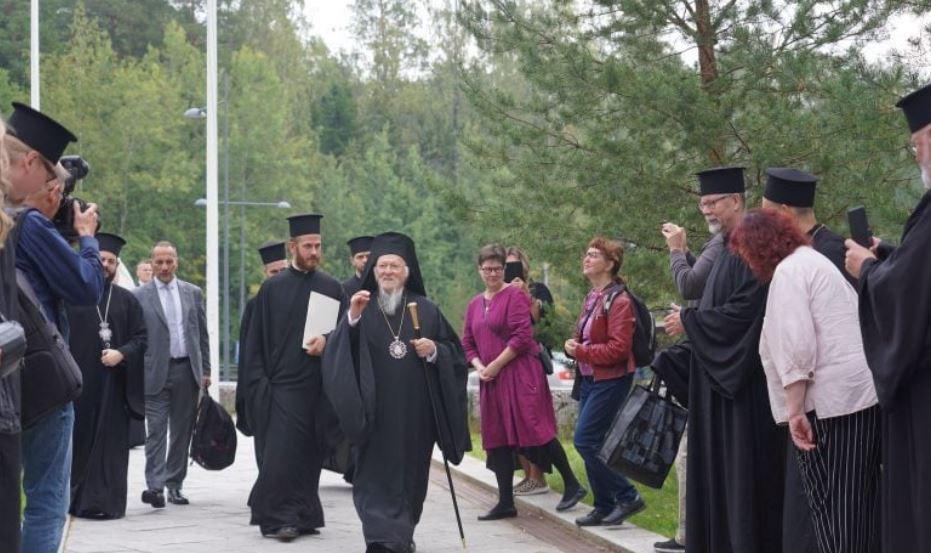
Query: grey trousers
x=170 y=416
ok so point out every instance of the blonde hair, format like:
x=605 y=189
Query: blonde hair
x=5 y=222
x=522 y=257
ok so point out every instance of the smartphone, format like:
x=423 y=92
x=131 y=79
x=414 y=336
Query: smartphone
x=859 y=228
x=512 y=270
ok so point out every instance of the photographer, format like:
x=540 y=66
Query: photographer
x=58 y=275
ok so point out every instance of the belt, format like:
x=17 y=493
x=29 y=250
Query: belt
x=180 y=359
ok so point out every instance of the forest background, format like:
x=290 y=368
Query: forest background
x=537 y=123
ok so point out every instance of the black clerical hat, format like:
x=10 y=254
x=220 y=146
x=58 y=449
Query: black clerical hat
x=110 y=242
x=790 y=187
x=917 y=108
x=305 y=223
x=397 y=244
x=39 y=131
x=721 y=180
x=272 y=251
x=360 y=244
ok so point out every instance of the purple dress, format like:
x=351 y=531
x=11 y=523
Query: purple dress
x=516 y=407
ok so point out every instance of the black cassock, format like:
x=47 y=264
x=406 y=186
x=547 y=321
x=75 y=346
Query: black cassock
x=242 y=416
x=737 y=453
x=111 y=396
x=384 y=408
x=352 y=285
x=280 y=389
x=895 y=320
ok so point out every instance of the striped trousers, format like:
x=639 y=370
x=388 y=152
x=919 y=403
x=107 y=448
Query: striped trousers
x=841 y=477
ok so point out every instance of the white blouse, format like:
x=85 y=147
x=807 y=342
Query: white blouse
x=812 y=332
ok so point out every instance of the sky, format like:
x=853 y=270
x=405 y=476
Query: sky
x=331 y=20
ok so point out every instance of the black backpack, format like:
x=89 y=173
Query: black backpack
x=213 y=443
x=644 y=343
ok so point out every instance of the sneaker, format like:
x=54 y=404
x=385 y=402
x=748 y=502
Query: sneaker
x=521 y=486
x=669 y=546
x=533 y=488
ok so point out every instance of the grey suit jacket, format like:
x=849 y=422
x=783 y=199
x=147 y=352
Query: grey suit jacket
x=157 y=354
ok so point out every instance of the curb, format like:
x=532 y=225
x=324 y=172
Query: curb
x=625 y=538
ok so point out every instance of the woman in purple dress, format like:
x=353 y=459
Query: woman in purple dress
x=514 y=400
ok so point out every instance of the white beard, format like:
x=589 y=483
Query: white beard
x=390 y=301
x=714 y=228
x=926 y=177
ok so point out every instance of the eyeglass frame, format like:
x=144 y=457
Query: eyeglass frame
x=491 y=270
x=711 y=204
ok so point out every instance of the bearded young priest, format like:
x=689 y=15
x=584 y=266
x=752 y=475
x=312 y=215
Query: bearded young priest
x=376 y=375
x=281 y=388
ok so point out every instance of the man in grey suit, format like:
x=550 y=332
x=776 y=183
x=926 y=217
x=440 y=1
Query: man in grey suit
x=177 y=364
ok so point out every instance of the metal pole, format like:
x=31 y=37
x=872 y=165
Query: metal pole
x=224 y=373
x=34 y=54
x=242 y=253
x=213 y=288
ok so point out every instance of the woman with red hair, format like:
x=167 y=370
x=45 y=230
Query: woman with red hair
x=819 y=382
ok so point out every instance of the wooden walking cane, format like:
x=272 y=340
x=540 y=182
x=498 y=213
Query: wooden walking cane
x=412 y=308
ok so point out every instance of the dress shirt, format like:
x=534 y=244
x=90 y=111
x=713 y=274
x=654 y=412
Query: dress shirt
x=812 y=332
x=170 y=292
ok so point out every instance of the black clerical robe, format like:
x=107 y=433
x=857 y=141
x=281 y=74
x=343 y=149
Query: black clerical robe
x=111 y=396
x=242 y=417
x=286 y=411
x=831 y=245
x=895 y=321
x=736 y=451
x=352 y=285
x=385 y=409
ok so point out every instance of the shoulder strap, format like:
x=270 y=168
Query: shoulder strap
x=612 y=292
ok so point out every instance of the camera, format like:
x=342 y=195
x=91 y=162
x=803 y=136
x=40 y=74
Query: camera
x=77 y=169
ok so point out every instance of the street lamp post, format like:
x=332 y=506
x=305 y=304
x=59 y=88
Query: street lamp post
x=202 y=202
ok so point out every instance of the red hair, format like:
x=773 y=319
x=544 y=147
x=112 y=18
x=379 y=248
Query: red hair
x=765 y=237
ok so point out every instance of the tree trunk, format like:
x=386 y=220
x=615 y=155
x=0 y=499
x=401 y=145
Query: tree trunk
x=705 y=37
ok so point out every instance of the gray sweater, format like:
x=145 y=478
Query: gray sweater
x=690 y=273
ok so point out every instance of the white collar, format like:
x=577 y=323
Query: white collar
x=170 y=285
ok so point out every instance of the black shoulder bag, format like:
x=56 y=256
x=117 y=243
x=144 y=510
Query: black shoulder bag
x=51 y=377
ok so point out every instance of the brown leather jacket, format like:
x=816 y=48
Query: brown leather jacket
x=609 y=350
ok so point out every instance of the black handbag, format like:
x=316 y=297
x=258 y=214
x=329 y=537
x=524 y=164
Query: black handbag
x=213 y=442
x=644 y=438
x=546 y=358
x=50 y=377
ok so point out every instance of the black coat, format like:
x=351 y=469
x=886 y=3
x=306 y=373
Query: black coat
x=895 y=320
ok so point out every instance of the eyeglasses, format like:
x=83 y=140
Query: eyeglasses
x=710 y=204
x=389 y=267
x=50 y=170
x=491 y=270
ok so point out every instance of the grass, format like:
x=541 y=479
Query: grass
x=662 y=512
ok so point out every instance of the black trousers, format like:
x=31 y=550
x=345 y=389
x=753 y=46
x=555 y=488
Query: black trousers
x=841 y=479
x=10 y=490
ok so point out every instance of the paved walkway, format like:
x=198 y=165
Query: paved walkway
x=217 y=520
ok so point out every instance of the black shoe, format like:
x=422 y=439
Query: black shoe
x=285 y=533
x=669 y=546
x=570 y=498
x=498 y=512
x=624 y=510
x=154 y=498
x=175 y=497
x=593 y=518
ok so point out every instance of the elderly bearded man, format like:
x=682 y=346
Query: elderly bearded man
x=376 y=373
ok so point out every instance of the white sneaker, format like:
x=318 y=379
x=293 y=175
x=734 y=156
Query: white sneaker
x=533 y=488
x=521 y=486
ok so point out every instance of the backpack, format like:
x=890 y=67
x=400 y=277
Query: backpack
x=213 y=443
x=644 y=342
